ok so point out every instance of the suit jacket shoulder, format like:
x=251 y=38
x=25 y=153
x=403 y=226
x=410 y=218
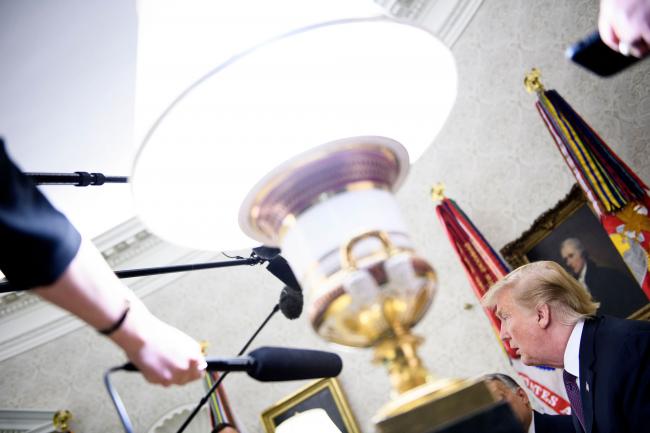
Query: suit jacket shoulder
x=615 y=375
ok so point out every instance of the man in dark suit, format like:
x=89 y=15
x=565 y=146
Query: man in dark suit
x=618 y=293
x=547 y=316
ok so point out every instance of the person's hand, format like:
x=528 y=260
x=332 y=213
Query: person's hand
x=163 y=354
x=624 y=25
x=90 y=290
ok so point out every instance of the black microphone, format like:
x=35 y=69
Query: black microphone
x=291 y=302
x=275 y=364
x=280 y=268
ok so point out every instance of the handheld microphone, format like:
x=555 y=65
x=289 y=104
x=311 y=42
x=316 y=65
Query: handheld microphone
x=274 y=364
x=277 y=364
x=291 y=304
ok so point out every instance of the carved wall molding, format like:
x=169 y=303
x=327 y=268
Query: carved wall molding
x=125 y=242
x=26 y=421
x=447 y=19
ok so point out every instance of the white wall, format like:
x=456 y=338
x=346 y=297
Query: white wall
x=66 y=98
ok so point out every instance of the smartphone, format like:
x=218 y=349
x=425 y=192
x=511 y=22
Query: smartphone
x=591 y=53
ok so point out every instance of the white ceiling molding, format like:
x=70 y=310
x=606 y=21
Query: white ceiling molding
x=447 y=19
x=26 y=321
x=26 y=421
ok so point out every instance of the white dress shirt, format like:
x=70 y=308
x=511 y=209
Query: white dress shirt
x=572 y=351
x=531 y=428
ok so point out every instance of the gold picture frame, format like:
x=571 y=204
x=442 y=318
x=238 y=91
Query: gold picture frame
x=324 y=393
x=573 y=217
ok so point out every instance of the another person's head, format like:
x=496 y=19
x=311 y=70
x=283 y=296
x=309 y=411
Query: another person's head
x=574 y=255
x=505 y=388
x=538 y=305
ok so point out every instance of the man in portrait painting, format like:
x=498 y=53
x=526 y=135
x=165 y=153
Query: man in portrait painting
x=617 y=293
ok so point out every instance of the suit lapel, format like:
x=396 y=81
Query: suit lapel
x=587 y=373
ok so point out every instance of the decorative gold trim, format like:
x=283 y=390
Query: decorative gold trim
x=389 y=157
x=204 y=346
x=324 y=302
x=309 y=158
x=290 y=219
x=61 y=420
x=313 y=267
x=438 y=192
x=533 y=82
x=347 y=259
x=515 y=252
x=305 y=393
x=434 y=405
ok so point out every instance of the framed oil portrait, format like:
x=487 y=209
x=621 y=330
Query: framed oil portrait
x=571 y=235
x=325 y=394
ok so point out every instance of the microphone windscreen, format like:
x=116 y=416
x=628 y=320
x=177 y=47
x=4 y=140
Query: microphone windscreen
x=280 y=364
x=291 y=302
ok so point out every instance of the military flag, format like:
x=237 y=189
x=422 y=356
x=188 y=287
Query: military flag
x=617 y=195
x=220 y=412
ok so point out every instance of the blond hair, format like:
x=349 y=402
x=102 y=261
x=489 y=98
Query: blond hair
x=545 y=282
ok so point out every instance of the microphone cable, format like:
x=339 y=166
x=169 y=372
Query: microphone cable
x=121 y=410
x=207 y=395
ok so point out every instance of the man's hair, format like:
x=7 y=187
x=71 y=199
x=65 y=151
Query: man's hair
x=545 y=282
x=576 y=244
x=504 y=379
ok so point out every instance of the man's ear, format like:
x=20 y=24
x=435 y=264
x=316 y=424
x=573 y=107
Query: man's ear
x=543 y=315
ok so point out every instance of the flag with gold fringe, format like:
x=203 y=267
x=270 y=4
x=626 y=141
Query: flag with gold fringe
x=220 y=412
x=617 y=195
x=484 y=267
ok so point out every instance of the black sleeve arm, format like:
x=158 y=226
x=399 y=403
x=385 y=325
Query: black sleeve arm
x=545 y=423
x=37 y=242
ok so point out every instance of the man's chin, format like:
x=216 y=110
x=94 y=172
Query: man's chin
x=527 y=360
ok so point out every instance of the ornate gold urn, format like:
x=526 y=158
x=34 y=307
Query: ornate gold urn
x=332 y=212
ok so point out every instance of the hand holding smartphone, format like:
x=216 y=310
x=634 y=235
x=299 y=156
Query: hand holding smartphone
x=592 y=54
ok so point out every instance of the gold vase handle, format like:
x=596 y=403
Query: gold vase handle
x=347 y=259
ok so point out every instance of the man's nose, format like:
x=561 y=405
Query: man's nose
x=503 y=333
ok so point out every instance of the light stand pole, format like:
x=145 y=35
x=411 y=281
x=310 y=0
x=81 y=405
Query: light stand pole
x=78 y=178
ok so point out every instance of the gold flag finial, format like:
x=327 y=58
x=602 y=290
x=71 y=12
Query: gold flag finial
x=61 y=421
x=438 y=191
x=204 y=346
x=533 y=82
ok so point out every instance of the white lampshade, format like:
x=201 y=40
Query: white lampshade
x=312 y=421
x=352 y=77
